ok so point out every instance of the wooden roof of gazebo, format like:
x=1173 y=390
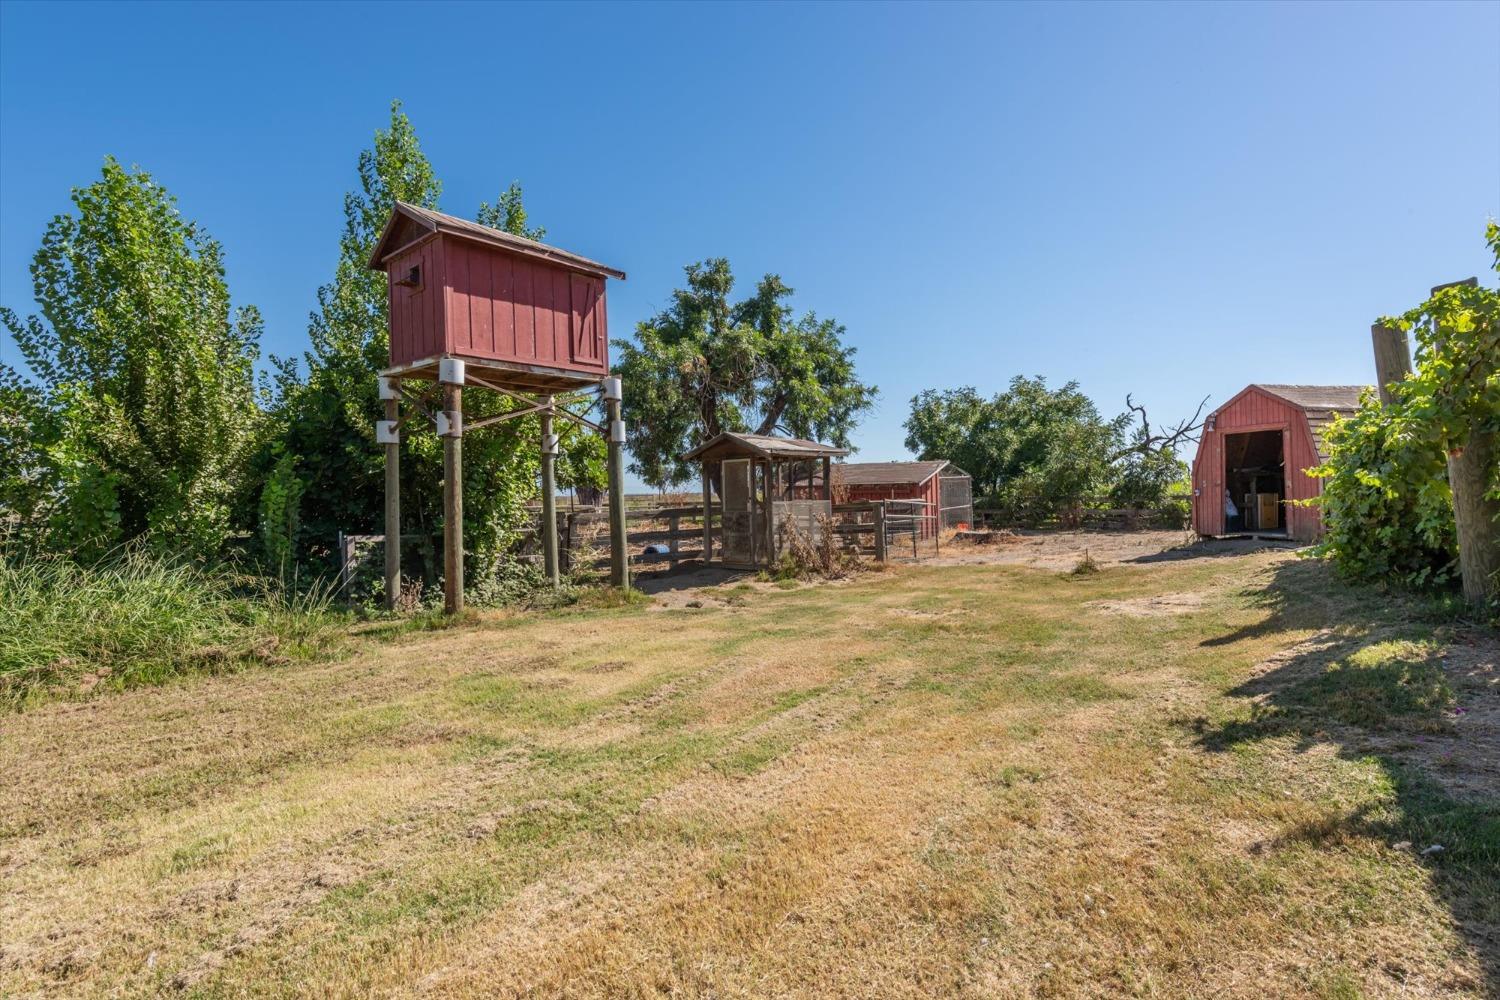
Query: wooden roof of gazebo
x=731 y=444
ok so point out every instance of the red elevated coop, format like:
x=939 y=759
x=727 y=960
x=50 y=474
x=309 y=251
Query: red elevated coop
x=476 y=307
x=462 y=290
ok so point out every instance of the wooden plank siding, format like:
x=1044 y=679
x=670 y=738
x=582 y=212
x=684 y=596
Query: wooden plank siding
x=1257 y=410
x=483 y=302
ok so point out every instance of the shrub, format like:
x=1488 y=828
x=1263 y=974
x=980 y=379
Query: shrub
x=1387 y=510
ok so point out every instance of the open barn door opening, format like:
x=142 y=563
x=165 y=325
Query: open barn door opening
x=1255 y=480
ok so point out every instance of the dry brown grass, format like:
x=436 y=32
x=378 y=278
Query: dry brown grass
x=974 y=781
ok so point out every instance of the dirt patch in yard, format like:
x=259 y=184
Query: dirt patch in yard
x=1159 y=606
x=1062 y=550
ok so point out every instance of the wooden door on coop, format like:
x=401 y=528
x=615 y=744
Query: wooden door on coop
x=740 y=518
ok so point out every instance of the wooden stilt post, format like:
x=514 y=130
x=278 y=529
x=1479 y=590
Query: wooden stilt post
x=770 y=495
x=827 y=479
x=390 y=393
x=708 y=517
x=549 y=496
x=619 y=544
x=450 y=428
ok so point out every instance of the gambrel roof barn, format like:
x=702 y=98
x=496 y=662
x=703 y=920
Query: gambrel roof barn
x=1253 y=458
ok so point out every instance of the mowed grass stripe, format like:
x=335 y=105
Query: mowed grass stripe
x=982 y=780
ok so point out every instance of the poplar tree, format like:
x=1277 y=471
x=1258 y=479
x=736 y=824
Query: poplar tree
x=139 y=411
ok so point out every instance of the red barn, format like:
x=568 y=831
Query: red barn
x=943 y=488
x=1255 y=452
x=461 y=289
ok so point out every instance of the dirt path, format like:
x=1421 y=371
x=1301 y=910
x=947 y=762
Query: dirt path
x=1062 y=550
x=939 y=780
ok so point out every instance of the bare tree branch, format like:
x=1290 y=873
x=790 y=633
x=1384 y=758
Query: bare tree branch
x=1147 y=442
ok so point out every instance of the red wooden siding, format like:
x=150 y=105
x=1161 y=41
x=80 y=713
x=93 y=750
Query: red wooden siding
x=1256 y=410
x=483 y=302
x=930 y=491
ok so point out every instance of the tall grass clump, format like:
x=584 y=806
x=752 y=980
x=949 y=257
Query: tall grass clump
x=136 y=618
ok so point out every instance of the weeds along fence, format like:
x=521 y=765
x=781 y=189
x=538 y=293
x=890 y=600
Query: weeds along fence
x=889 y=529
x=1168 y=516
x=665 y=536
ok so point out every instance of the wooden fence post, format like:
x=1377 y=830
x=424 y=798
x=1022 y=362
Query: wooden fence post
x=708 y=529
x=880 y=553
x=1392 y=358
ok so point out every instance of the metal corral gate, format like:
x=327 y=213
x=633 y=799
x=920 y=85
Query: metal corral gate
x=956 y=497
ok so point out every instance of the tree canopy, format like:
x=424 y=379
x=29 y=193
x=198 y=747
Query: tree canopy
x=1388 y=503
x=140 y=408
x=705 y=365
x=1037 y=451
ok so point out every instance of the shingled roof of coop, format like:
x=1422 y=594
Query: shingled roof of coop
x=409 y=224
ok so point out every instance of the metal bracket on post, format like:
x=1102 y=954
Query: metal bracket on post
x=450 y=423
x=386 y=432
x=451 y=371
x=549 y=444
x=390 y=388
x=617 y=431
x=611 y=387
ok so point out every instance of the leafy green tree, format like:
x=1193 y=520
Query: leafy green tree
x=1032 y=450
x=141 y=410
x=325 y=418
x=957 y=425
x=1398 y=474
x=1146 y=474
x=1387 y=509
x=705 y=365
x=509 y=215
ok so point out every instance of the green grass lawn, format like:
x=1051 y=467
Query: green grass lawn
x=1182 y=778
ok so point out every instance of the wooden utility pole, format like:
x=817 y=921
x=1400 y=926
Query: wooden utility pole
x=619 y=550
x=1475 y=515
x=451 y=428
x=390 y=393
x=549 y=495
x=1392 y=359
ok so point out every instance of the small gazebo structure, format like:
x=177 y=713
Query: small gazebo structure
x=758 y=476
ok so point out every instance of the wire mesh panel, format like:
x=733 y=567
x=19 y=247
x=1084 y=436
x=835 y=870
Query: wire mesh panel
x=956 y=494
x=738 y=521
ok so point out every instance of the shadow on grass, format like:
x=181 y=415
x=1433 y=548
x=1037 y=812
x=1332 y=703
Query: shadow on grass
x=1214 y=548
x=689 y=575
x=1376 y=681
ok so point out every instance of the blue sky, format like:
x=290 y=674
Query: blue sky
x=1169 y=200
